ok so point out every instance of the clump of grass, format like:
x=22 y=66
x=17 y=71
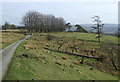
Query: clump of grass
x=65 y=58
x=47 y=45
x=49 y=37
x=77 y=63
x=72 y=65
x=43 y=57
x=87 y=63
x=26 y=47
x=59 y=63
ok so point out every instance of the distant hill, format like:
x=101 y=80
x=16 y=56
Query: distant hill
x=107 y=29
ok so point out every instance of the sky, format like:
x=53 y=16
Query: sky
x=75 y=12
x=59 y=0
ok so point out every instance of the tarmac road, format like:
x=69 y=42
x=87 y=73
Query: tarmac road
x=6 y=55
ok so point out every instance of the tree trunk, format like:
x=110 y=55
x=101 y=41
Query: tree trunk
x=98 y=31
x=99 y=39
x=98 y=34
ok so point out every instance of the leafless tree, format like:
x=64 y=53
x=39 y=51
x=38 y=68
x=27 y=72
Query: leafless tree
x=98 y=27
x=38 y=22
x=30 y=20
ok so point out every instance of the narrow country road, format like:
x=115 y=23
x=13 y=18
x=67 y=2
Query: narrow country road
x=6 y=54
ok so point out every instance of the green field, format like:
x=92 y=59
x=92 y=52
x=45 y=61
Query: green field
x=32 y=61
x=8 y=38
x=15 y=31
x=89 y=37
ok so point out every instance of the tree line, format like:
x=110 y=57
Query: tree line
x=38 y=22
x=9 y=26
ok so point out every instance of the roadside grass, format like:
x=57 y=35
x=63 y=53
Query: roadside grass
x=9 y=38
x=31 y=62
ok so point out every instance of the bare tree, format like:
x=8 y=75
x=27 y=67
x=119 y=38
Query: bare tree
x=37 y=22
x=98 y=26
x=31 y=20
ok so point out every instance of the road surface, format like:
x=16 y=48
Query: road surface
x=6 y=54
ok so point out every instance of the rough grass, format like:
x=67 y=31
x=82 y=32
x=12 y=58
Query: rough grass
x=9 y=38
x=88 y=37
x=31 y=61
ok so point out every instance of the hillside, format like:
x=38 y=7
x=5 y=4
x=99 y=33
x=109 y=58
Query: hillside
x=37 y=63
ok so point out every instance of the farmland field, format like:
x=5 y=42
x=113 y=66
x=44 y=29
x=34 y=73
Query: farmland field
x=32 y=60
x=10 y=37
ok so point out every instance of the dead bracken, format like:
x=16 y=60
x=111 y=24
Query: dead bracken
x=76 y=63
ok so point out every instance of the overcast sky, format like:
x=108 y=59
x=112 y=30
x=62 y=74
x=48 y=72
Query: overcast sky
x=74 y=12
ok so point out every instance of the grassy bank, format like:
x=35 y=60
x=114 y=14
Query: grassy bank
x=32 y=61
